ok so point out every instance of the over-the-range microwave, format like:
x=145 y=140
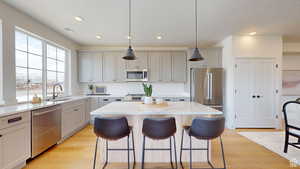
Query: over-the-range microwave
x=136 y=75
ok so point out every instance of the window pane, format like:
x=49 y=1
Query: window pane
x=51 y=80
x=60 y=77
x=60 y=66
x=61 y=54
x=51 y=64
x=21 y=58
x=35 y=61
x=35 y=46
x=21 y=41
x=21 y=84
x=35 y=76
x=51 y=51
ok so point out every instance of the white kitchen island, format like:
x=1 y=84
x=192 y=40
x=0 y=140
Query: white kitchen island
x=135 y=112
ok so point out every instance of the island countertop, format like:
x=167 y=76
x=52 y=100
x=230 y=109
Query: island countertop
x=169 y=108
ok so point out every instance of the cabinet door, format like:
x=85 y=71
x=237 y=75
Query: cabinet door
x=97 y=74
x=155 y=64
x=109 y=67
x=15 y=145
x=179 y=67
x=166 y=67
x=244 y=101
x=85 y=67
x=140 y=63
x=113 y=67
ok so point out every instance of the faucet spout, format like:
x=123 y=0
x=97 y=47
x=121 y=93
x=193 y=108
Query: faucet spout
x=55 y=94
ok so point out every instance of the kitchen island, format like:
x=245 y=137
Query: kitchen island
x=135 y=112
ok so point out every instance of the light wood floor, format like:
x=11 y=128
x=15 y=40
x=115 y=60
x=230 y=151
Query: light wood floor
x=77 y=153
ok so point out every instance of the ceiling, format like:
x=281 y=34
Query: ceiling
x=173 y=19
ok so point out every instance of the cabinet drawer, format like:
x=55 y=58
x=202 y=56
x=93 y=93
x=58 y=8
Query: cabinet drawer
x=73 y=104
x=15 y=119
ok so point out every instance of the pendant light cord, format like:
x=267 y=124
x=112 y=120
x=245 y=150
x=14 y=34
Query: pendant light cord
x=129 y=36
x=196 y=17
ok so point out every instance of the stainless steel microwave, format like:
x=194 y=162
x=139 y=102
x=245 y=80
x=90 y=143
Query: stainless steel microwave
x=136 y=75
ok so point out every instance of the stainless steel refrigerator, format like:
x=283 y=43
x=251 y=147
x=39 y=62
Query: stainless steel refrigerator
x=207 y=85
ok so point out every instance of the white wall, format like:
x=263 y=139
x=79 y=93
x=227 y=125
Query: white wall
x=235 y=47
x=1 y=66
x=10 y=19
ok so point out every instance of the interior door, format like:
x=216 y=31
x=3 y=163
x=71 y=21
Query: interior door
x=244 y=102
x=265 y=93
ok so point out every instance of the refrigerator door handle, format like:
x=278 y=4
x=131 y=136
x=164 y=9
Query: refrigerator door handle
x=211 y=86
x=208 y=86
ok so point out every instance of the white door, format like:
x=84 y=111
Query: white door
x=244 y=101
x=264 y=89
x=255 y=93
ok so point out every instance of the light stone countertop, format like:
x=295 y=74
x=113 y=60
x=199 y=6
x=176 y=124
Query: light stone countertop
x=19 y=108
x=172 y=108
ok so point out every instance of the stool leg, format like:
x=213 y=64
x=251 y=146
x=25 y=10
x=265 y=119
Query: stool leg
x=128 y=152
x=95 y=155
x=223 y=155
x=286 y=144
x=181 y=147
x=143 y=154
x=175 y=152
x=191 y=167
x=170 y=145
x=208 y=160
x=133 y=147
x=106 y=158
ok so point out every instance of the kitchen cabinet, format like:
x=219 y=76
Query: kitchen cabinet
x=255 y=93
x=166 y=67
x=140 y=63
x=113 y=67
x=73 y=117
x=155 y=66
x=15 y=140
x=90 y=67
x=179 y=70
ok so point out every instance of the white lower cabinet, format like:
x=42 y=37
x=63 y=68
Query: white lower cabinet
x=15 y=140
x=73 y=117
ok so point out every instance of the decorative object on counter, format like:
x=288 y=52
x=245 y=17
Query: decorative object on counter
x=148 y=93
x=196 y=55
x=91 y=88
x=36 y=99
x=130 y=53
x=298 y=100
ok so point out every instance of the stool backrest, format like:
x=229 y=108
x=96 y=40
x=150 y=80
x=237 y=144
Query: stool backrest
x=159 y=128
x=291 y=112
x=111 y=128
x=207 y=127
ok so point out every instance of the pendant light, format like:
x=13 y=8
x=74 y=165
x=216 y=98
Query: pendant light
x=130 y=53
x=196 y=55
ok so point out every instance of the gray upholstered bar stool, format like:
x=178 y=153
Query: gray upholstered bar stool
x=204 y=128
x=113 y=129
x=159 y=129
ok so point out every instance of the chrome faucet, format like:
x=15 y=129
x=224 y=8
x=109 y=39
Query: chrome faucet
x=55 y=95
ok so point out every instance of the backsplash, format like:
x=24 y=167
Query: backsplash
x=136 y=87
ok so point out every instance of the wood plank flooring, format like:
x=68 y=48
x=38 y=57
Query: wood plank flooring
x=77 y=153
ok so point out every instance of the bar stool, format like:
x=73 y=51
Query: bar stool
x=113 y=129
x=204 y=128
x=159 y=129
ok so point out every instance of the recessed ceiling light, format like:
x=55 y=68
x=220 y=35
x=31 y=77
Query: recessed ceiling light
x=159 y=37
x=252 y=33
x=98 y=37
x=68 y=29
x=78 y=18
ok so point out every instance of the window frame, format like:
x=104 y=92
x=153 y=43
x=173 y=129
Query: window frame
x=45 y=42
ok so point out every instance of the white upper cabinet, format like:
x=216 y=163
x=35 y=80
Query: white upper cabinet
x=113 y=67
x=90 y=66
x=179 y=68
x=154 y=66
x=140 y=63
x=166 y=67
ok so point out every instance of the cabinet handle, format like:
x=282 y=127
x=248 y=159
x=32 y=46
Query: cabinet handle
x=0 y=135
x=253 y=97
x=105 y=100
x=76 y=109
x=14 y=120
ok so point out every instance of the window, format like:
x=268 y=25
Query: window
x=55 y=67
x=37 y=68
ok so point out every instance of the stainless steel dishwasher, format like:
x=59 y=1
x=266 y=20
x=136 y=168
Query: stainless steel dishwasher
x=46 y=129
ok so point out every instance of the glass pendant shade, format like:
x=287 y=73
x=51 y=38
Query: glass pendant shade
x=196 y=56
x=129 y=54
